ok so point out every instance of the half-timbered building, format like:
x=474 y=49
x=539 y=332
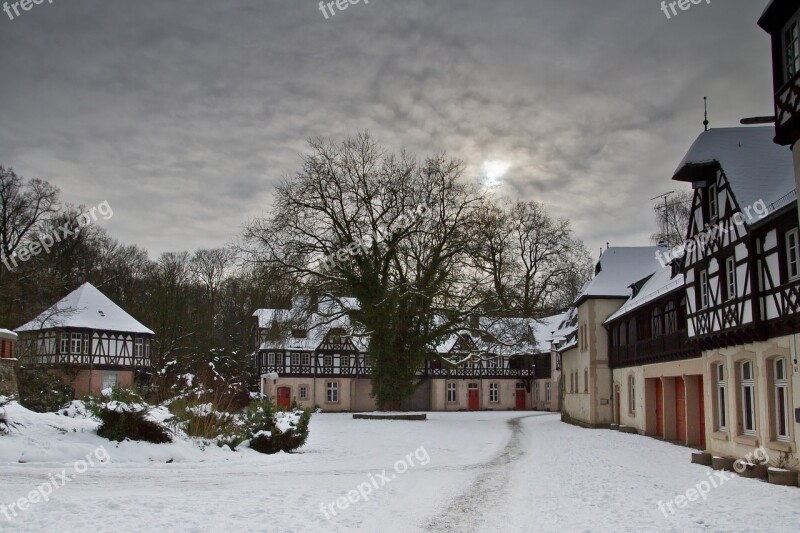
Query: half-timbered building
x=657 y=371
x=87 y=340
x=317 y=359
x=742 y=268
x=8 y=378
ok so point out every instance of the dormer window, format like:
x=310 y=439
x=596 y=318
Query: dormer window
x=791 y=47
x=713 y=211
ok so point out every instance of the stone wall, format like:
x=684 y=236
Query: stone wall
x=8 y=378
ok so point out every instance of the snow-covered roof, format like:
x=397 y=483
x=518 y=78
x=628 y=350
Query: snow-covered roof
x=545 y=331
x=756 y=167
x=7 y=335
x=619 y=268
x=86 y=308
x=660 y=284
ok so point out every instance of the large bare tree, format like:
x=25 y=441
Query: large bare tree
x=390 y=230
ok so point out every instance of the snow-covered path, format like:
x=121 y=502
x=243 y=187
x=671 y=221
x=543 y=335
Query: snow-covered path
x=472 y=471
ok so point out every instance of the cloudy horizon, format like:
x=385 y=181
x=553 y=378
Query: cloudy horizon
x=184 y=115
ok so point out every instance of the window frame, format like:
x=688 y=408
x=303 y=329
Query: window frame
x=747 y=393
x=73 y=339
x=451 y=393
x=786 y=65
x=721 y=396
x=332 y=392
x=713 y=202
x=730 y=278
x=632 y=394
x=792 y=258
x=305 y=359
x=705 y=289
x=548 y=392
x=302 y=392
x=295 y=359
x=781 y=396
x=271 y=359
x=536 y=391
x=494 y=393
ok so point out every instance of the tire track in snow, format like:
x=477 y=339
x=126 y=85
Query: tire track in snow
x=465 y=512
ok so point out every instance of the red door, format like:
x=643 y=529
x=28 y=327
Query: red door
x=680 y=409
x=702 y=415
x=474 y=404
x=520 y=399
x=284 y=398
x=659 y=408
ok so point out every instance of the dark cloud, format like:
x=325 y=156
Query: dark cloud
x=184 y=114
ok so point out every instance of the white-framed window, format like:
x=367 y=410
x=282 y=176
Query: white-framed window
x=548 y=391
x=344 y=361
x=85 y=344
x=327 y=361
x=451 y=393
x=720 y=399
x=781 y=398
x=713 y=211
x=303 y=392
x=730 y=277
x=494 y=392
x=494 y=362
x=75 y=343
x=536 y=391
x=138 y=348
x=332 y=392
x=271 y=359
x=305 y=359
x=110 y=380
x=704 y=289
x=631 y=394
x=791 y=47
x=64 y=343
x=748 y=397
x=793 y=254
x=295 y=359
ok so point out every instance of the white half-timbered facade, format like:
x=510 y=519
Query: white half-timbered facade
x=89 y=340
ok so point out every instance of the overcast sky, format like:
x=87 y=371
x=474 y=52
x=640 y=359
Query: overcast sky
x=184 y=114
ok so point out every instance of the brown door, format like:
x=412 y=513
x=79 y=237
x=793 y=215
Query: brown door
x=474 y=404
x=617 y=409
x=659 y=408
x=680 y=409
x=520 y=399
x=702 y=414
x=284 y=398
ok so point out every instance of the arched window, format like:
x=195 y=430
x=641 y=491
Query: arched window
x=780 y=386
x=656 y=321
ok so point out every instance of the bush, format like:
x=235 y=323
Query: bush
x=203 y=420
x=272 y=432
x=123 y=416
x=5 y=423
x=42 y=392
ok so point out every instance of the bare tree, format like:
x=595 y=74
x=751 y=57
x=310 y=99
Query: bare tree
x=672 y=219
x=391 y=231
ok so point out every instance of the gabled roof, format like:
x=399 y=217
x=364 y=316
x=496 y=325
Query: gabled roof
x=756 y=167
x=619 y=267
x=545 y=331
x=659 y=284
x=86 y=308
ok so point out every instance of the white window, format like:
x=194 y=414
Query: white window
x=345 y=361
x=730 y=273
x=547 y=389
x=748 y=397
x=793 y=254
x=704 y=289
x=781 y=394
x=86 y=344
x=303 y=392
x=791 y=48
x=110 y=380
x=332 y=392
x=306 y=359
x=712 y=201
x=631 y=394
x=536 y=392
x=138 y=348
x=64 y=343
x=494 y=392
x=75 y=344
x=494 y=362
x=327 y=361
x=722 y=413
x=451 y=392
x=271 y=359
x=295 y=359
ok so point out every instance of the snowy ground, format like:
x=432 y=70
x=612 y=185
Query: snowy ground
x=471 y=472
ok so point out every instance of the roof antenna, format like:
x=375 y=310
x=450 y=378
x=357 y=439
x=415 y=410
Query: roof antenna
x=705 y=121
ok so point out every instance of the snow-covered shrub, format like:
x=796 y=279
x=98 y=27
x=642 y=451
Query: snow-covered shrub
x=123 y=415
x=202 y=420
x=5 y=423
x=42 y=392
x=271 y=431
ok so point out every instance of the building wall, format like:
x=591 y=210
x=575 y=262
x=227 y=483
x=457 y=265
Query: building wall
x=796 y=155
x=88 y=382
x=8 y=377
x=732 y=442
